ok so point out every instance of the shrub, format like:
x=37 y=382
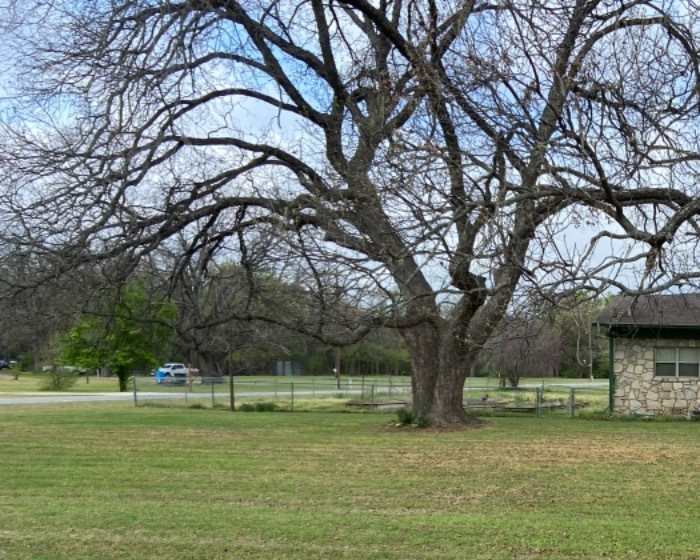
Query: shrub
x=422 y=422
x=59 y=380
x=259 y=407
x=405 y=416
x=266 y=407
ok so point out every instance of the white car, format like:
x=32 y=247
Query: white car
x=173 y=369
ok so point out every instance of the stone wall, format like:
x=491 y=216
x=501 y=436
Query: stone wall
x=637 y=391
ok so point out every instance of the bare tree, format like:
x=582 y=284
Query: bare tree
x=211 y=298
x=524 y=346
x=432 y=159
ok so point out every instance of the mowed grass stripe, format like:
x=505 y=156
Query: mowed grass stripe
x=113 y=481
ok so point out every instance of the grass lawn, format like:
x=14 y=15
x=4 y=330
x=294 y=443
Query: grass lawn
x=105 y=481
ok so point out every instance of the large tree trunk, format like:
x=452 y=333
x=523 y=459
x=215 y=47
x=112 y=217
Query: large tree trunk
x=439 y=371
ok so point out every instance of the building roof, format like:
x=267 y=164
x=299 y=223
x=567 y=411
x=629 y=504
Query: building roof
x=670 y=310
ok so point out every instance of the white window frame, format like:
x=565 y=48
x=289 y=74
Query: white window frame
x=677 y=361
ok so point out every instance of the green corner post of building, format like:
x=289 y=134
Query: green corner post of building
x=611 y=373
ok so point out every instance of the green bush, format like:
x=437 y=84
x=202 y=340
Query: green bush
x=259 y=407
x=405 y=416
x=59 y=380
x=422 y=422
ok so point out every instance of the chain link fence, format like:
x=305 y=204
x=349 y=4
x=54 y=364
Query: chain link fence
x=219 y=392
x=281 y=393
x=539 y=400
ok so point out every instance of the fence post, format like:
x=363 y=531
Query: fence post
x=572 y=402
x=133 y=382
x=538 y=401
x=292 y=397
x=213 y=404
x=372 y=394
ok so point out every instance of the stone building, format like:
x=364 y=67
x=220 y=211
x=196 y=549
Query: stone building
x=654 y=353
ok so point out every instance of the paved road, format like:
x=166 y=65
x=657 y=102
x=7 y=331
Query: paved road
x=43 y=398
x=586 y=385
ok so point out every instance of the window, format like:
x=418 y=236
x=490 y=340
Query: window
x=677 y=362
